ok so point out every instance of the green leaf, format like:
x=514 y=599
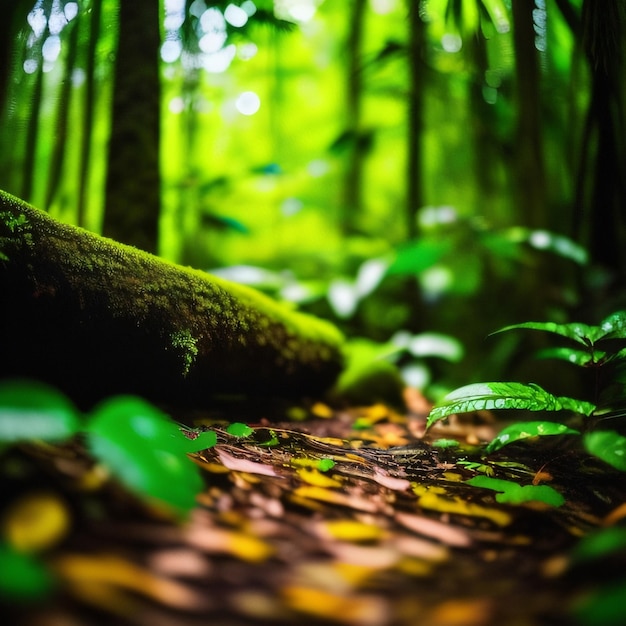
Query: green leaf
x=601 y=543
x=512 y=493
x=607 y=445
x=490 y=396
x=200 y=440
x=22 y=577
x=323 y=465
x=32 y=410
x=524 y=430
x=237 y=429
x=614 y=326
x=146 y=451
x=581 y=333
x=582 y=358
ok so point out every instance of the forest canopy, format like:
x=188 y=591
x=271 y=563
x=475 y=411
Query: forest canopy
x=401 y=167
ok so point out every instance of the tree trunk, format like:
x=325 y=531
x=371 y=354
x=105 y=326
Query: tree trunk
x=97 y=318
x=133 y=176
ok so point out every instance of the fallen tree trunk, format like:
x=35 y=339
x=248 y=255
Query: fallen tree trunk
x=95 y=318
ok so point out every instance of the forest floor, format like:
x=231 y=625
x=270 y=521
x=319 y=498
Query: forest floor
x=327 y=516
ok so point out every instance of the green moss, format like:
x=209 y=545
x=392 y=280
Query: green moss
x=185 y=342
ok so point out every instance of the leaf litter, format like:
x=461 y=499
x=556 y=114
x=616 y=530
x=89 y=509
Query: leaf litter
x=349 y=517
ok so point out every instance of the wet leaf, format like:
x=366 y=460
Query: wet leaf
x=524 y=430
x=32 y=410
x=512 y=493
x=493 y=396
x=607 y=445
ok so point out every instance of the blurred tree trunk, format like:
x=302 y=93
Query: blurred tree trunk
x=601 y=196
x=133 y=177
x=417 y=87
x=357 y=140
x=530 y=180
x=89 y=107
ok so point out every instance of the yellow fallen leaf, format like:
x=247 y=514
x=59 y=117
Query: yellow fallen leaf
x=352 y=530
x=335 y=497
x=363 y=610
x=319 y=409
x=94 y=573
x=446 y=504
x=36 y=522
x=314 y=477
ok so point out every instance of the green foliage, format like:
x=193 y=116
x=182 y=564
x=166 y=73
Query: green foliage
x=511 y=493
x=23 y=578
x=490 y=396
x=134 y=440
x=31 y=410
x=525 y=430
x=238 y=429
x=607 y=445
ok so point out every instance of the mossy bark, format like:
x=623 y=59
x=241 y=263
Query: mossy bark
x=95 y=318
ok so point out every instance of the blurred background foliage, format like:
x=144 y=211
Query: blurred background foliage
x=422 y=172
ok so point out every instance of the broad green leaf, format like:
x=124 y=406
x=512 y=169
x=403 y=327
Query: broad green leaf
x=490 y=396
x=551 y=242
x=237 y=429
x=607 y=445
x=512 y=493
x=145 y=450
x=581 y=333
x=32 y=410
x=600 y=544
x=582 y=358
x=614 y=326
x=22 y=577
x=524 y=430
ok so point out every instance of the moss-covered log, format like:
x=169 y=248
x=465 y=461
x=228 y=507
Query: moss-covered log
x=95 y=317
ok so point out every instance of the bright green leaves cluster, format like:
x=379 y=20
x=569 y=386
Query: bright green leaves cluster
x=611 y=328
x=602 y=344
x=137 y=442
x=509 y=492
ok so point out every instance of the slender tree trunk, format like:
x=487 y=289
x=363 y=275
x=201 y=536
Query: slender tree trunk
x=88 y=109
x=417 y=84
x=133 y=177
x=353 y=192
x=530 y=181
x=60 y=148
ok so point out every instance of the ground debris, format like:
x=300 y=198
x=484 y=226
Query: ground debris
x=354 y=518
